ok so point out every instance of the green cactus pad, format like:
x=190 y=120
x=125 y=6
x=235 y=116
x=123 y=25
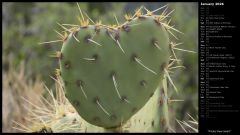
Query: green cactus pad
x=111 y=72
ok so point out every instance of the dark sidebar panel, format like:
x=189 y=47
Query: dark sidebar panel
x=219 y=67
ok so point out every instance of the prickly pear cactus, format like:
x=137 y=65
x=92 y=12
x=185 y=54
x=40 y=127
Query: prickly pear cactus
x=111 y=72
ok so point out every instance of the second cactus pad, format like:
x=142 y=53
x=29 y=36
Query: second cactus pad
x=109 y=72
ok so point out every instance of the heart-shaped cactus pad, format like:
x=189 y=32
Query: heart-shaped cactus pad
x=110 y=72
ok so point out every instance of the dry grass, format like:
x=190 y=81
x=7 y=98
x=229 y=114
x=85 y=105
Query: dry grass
x=17 y=84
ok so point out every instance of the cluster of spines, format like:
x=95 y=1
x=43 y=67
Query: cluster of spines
x=189 y=125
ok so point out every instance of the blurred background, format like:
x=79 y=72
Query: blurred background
x=26 y=65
